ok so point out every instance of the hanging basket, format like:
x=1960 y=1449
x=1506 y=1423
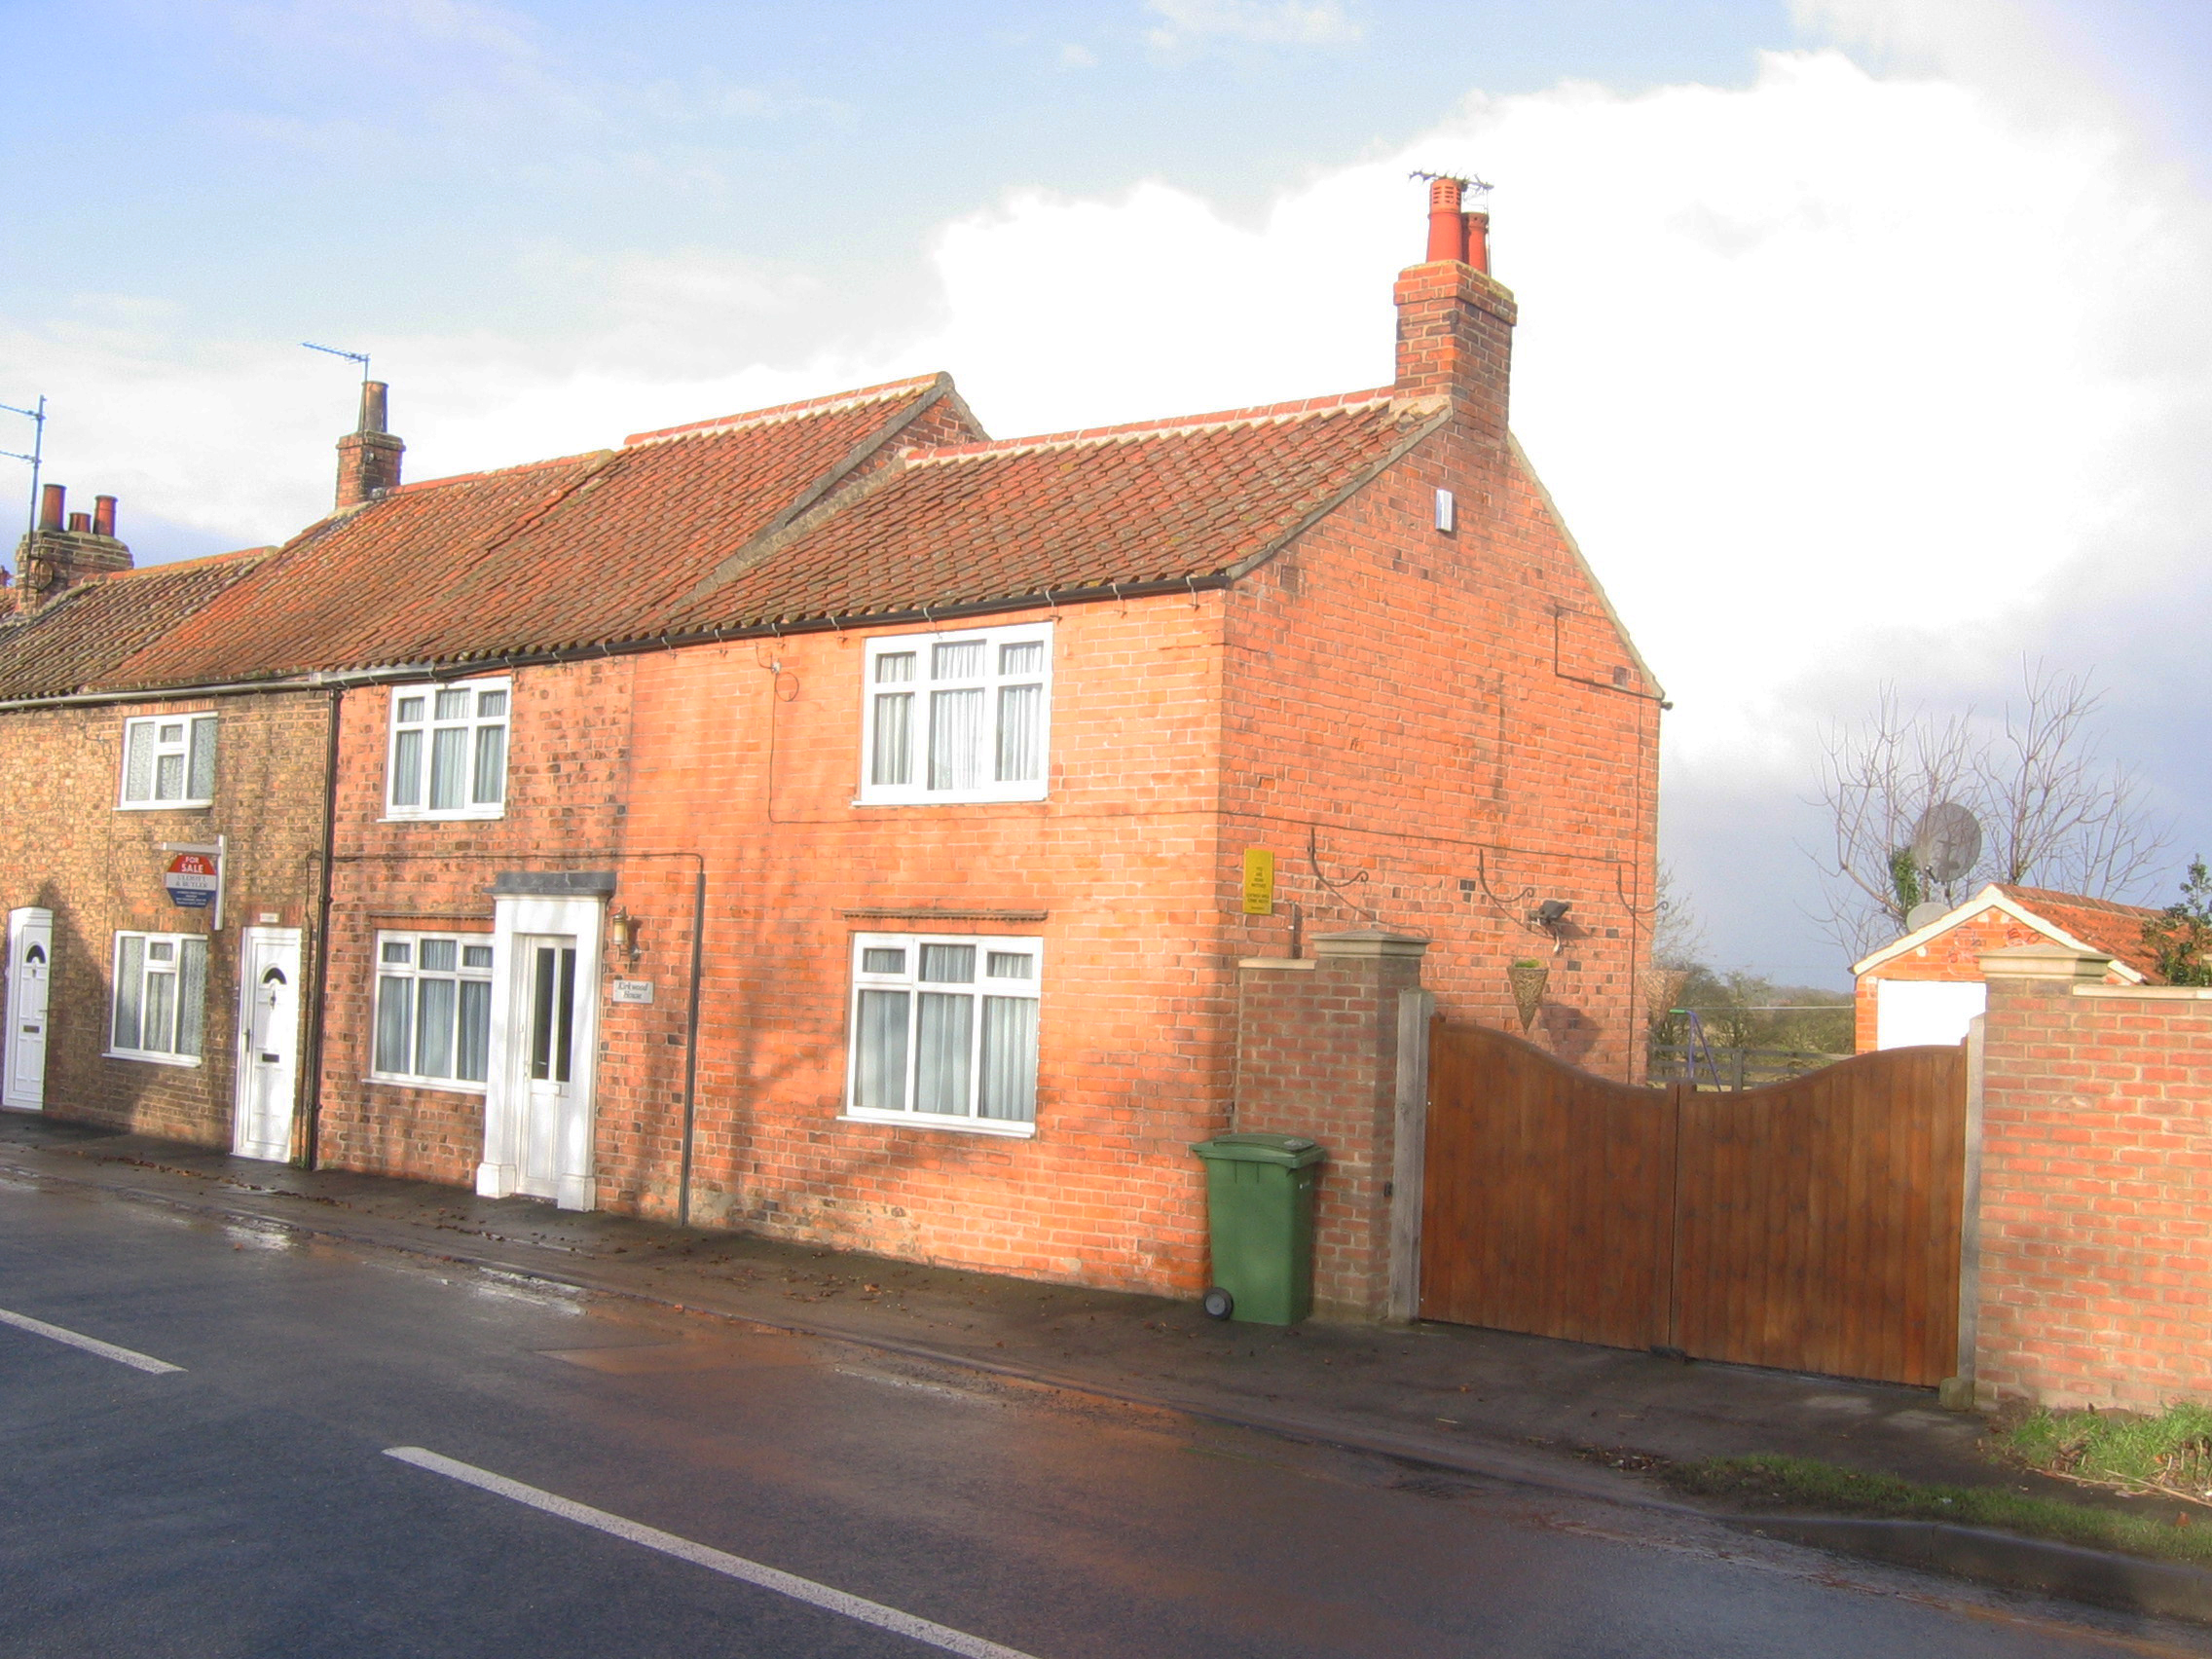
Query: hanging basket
x=1529 y=979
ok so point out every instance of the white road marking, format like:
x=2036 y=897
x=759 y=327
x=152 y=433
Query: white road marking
x=90 y=1345
x=714 y=1560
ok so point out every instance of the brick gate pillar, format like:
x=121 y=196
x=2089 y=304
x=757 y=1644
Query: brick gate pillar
x=1318 y=1053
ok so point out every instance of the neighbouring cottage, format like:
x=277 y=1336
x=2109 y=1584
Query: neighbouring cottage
x=1927 y=987
x=833 y=820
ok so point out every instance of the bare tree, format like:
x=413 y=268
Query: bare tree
x=2052 y=811
x=1677 y=935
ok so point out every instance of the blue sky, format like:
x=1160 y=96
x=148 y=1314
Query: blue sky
x=1797 y=279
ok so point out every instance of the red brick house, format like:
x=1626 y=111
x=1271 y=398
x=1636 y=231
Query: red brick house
x=1925 y=987
x=835 y=821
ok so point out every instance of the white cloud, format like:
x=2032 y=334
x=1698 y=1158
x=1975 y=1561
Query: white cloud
x=1074 y=57
x=1188 y=24
x=1839 y=375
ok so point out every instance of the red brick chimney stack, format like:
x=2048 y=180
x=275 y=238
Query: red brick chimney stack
x=64 y=549
x=368 y=457
x=1455 y=320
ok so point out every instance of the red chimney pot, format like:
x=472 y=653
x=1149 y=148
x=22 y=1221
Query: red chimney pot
x=1447 y=226
x=80 y=524
x=103 y=515
x=51 y=499
x=1478 y=241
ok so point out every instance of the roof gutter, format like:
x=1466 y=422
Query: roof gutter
x=323 y=680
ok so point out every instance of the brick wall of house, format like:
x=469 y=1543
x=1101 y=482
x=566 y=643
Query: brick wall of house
x=2095 y=1222
x=714 y=751
x=64 y=845
x=1953 y=956
x=1460 y=730
x=1316 y=1055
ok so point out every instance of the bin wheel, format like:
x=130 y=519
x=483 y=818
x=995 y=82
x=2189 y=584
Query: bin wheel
x=1218 y=1302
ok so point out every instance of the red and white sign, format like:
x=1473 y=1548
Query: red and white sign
x=192 y=879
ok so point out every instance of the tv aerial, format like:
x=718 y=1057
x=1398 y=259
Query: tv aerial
x=1946 y=844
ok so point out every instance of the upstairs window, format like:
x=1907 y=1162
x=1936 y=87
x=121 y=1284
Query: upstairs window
x=957 y=716
x=449 y=750
x=160 y=997
x=168 y=761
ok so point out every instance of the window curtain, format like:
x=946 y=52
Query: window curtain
x=491 y=764
x=893 y=762
x=433 y=1026
x=203 y=783
x=1021 y=734
x=395 y=1010
x=191 y=996
x=956 y=729
x=1010 y=1059
x=407 y=769
x=138 y=764
x=159 y=1035
x=449 y=768
x=473 y=1064
x=942 y=1035
x=879 y=1066
x=129 y=987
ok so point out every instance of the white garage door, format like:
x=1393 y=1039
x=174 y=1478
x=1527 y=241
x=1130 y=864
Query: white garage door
x=1908 y=1012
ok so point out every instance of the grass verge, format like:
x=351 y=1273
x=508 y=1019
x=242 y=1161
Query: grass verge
x=1803 y=1483
x=2169 y=1453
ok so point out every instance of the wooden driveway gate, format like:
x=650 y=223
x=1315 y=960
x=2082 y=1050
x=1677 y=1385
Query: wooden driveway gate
x=1811 y=1225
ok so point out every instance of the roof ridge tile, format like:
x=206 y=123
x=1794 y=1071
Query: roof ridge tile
x=828 y=403
x=1259 y=415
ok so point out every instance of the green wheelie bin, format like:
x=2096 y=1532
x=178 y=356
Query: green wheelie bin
x=1260 y=1202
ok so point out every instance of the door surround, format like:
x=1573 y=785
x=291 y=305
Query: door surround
x=287 y=941
x=19 y=922
x=571 y=903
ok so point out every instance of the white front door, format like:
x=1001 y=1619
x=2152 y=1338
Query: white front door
x=30 y=981
x=538 y=1125
x=269 y=1043
x=548 y=968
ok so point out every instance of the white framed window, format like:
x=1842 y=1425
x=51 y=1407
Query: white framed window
x=161 y=998
x=449 y=750
x=944 y=1031
x=434 y=1022
x=957 y=716
x=168 y=761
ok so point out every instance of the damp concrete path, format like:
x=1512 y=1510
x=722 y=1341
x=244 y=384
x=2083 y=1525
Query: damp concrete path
x=225 y=1438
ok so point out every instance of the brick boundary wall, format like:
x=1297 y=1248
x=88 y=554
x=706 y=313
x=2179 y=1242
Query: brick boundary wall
x=1318 y=1054
x=2093 y=1245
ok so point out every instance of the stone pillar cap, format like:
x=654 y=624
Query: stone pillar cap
x=1368 y=942
x=2045 y=962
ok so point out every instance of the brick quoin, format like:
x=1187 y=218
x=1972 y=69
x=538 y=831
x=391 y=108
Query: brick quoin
x=2096 y=1191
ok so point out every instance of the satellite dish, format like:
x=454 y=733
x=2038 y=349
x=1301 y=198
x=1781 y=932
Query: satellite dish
x=1946 y=841
x=1926 y=912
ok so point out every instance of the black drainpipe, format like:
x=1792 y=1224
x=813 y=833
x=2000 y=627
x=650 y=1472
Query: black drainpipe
x=312 y=1145
x=691 y=1045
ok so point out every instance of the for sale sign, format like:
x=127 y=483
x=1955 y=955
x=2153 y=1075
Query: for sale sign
x=192 y=879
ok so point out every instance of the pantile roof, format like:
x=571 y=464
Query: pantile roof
x=804 y=512
x=2111 y=927
x=1161 y=502
x=81 y=639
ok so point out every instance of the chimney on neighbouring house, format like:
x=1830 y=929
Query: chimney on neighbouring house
x=64 y=549
x=368 y=457
x=1455 y=320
